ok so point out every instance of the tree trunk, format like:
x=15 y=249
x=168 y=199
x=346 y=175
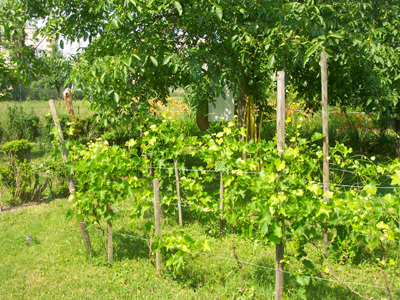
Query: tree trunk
x=396 y=125
x=58 y=94
x=241 y=103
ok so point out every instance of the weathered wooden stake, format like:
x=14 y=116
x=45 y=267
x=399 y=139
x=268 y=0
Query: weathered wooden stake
x=280 y=131
x=1 y=199
x=178 y=191
x=221 y=203
x=71 y=186
x=325 y=131
x=157 y=221
x=110 y=251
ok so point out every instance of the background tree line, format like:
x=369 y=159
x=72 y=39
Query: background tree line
x=142 y=49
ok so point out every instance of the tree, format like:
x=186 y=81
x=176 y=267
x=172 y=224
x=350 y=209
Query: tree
x=7 y=78
x=143 y=48
x=22 y=59
x=58 y=69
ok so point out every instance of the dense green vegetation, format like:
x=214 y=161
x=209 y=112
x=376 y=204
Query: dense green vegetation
x=236 y=188
x=119 y=175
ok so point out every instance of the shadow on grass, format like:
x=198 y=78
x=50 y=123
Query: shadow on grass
x=190 y=277
x=128 y=245
x=316 y=289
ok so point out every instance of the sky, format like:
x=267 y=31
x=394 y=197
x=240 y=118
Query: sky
x=72 y=48
x=69 y=48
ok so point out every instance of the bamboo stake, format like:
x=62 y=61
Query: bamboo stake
x=110 y=250
x=178 y=191
x=280 y=130
x=221 y=203
x=71 y=186
x=325 y=131
x=157 y=221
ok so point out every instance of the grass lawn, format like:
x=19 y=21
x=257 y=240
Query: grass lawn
x=41 y=108
x=54 y=264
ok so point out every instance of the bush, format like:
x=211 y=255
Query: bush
x=18 y=150
x=49 y=123
x=57 y=171
x=20 y=177
x=21 y=125
x=31 y=123
x=76 y=128
x=119 y=137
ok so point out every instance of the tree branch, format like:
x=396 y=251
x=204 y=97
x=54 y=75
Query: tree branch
x=334 y=275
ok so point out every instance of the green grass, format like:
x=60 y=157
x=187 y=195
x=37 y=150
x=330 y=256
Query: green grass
x=54 y=265
x=41 y=108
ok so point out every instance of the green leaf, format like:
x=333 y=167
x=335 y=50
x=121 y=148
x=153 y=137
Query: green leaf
x=178 y=7
x=116 y=97
x=302 y=280
x=370 y=189
x=154 y=61
x=317 y=136
x=167 y=59
x=279 y=164
x=271 y=61
x=218 y=10
x=396 y=178
x=206 y=246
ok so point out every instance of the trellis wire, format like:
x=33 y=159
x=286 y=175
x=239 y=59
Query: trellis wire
x=270 y=268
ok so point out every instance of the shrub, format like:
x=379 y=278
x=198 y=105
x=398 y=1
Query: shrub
x=49 y=123
x=20 y=177
x=76 y=128
x=31 y=123
x=57 y=171
x=18 y=150
x=21 y=125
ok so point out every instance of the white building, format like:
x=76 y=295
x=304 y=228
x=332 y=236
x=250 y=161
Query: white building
x=41 y=44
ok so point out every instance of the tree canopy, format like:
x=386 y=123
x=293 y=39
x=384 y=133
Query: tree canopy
x=58 y=69
x=143 y=48
x=18 y=62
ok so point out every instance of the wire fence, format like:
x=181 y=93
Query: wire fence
x=259 y=172
x=168 y=203
x=272 y=268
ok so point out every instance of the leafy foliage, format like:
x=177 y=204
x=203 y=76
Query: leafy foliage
x=58 y=69
x=207 y=45
x=21 y=124
x=20 y=177
x=270 y=199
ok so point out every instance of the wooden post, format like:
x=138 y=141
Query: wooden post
x=68 y=101
x=71 y=186
x=178 y=191
x=221 y=203
x=157 y=220
x=366 y=126
x=280 y=131
x=1 y=199
x=110 y=251
x=325 y=131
